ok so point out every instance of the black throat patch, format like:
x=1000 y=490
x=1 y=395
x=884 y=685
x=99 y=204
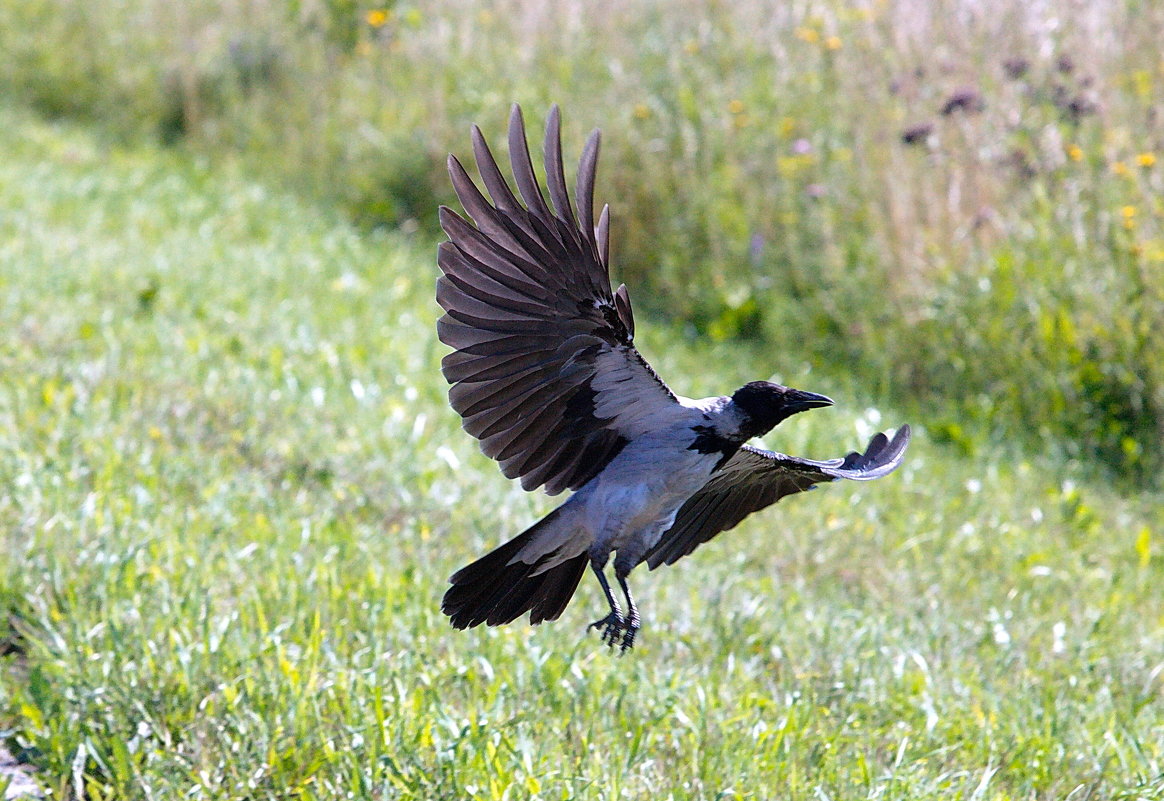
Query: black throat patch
x=708 y=440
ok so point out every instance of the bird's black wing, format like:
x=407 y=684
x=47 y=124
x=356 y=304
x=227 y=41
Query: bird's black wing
x=543 y=369
x=753 y=479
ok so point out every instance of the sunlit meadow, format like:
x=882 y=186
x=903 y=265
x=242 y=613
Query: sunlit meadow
x=936 y=197
x=233 y=490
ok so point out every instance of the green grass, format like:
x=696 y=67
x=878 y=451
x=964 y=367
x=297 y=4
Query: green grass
x=754 y=159
x=234 y=490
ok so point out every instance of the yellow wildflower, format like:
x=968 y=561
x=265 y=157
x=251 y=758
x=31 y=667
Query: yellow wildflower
x=1129 y=215
x=1146 y=159
x=1119 y=168
x=788 y=165
x=377 y=18
x=810 y=35
x=642 y=111
x=1075 y=152
x=833 y=43
x=1142 y=83
x=736 y=107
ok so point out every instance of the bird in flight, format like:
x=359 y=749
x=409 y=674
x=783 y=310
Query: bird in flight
x=545 y=374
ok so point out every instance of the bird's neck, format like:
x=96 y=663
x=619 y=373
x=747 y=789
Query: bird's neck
x=727 y=427
x=736 y=424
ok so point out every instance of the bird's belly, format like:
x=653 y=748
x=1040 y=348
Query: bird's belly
x=639 y=496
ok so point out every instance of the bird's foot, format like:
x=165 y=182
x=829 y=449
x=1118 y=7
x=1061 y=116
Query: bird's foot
x=610 y=626
x=618 y=630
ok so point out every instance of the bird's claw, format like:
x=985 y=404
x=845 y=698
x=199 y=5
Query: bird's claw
x=618 y=630
x=610 y=626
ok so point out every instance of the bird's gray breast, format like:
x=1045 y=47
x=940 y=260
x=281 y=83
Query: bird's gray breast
x=637 y=496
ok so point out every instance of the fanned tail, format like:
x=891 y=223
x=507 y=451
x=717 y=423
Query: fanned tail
x=496 y=589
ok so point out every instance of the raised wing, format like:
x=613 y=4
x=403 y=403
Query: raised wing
x=753 y=479
x=543 y=370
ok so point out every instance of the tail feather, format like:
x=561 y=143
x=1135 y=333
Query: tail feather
x=494 y=591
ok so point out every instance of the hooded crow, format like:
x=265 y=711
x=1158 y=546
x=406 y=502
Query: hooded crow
x=546 y=376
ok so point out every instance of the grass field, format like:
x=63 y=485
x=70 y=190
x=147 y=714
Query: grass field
x=233 y=492
x=935 y=197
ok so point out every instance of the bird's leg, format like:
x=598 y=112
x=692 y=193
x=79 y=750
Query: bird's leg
x=631 y=621
x=613 y=623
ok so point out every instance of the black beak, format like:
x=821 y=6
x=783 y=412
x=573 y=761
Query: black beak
x=796 y=400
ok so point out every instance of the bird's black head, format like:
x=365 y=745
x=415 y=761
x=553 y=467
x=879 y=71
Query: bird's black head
x=765 y=404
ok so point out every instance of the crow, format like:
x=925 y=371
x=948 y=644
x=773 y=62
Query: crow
x=545 y=374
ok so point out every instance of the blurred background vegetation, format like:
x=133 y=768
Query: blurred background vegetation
x=233 y=489
x=957 y=202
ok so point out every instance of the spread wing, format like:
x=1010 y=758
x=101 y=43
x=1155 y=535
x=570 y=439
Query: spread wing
x=543 y=369
x=753 y=479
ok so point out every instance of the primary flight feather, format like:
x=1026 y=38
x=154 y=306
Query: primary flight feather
x=545 y=374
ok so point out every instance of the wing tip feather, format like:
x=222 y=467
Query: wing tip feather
x=562 y=253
